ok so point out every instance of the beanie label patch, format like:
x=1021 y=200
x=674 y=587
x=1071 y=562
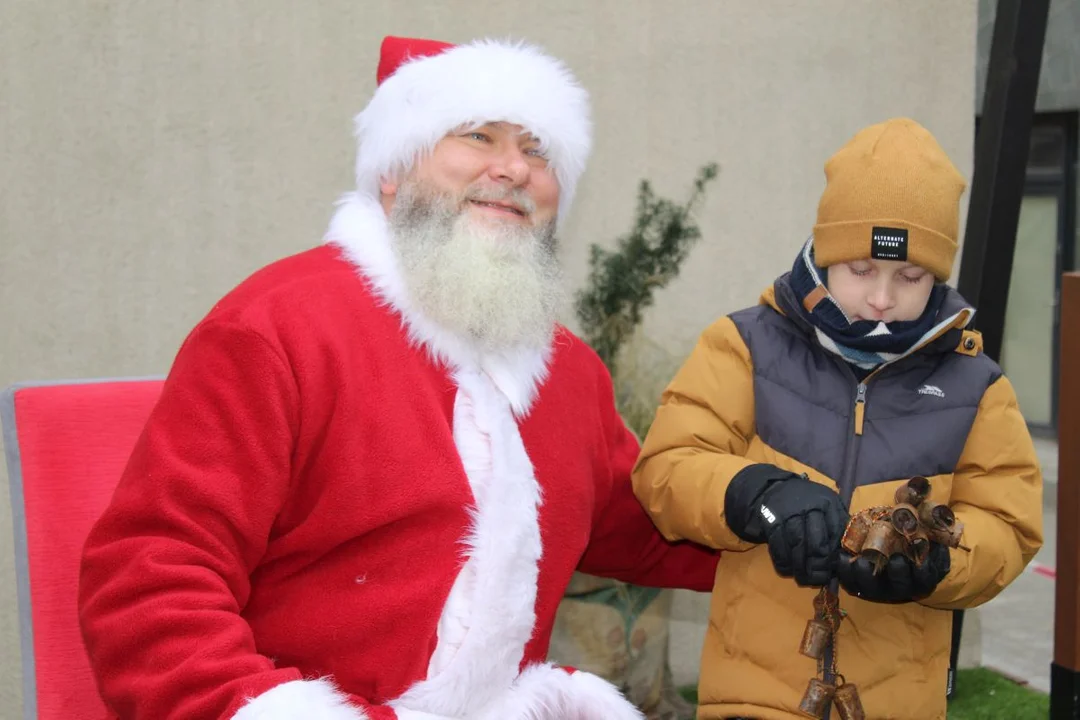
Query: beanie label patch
x=889 y=243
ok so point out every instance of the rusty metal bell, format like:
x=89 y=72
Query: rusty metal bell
x=936 y=516
x=848 y=704
x=913 y=492
x=880 y=544
x=905 y=518
x=815 y=639
x=920 y=548
x=816 y=698
x=941 y=524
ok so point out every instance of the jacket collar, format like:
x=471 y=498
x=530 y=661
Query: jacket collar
x=947 y=336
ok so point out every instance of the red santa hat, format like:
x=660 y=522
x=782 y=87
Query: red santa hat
x=427 y=88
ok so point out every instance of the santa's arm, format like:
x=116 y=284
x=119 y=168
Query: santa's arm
x=165 y=570
x=624 y=543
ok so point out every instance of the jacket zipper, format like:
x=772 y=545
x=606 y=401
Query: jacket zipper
x=847 y=472
x=847 y=490
x=846 y=483
x=860 y=412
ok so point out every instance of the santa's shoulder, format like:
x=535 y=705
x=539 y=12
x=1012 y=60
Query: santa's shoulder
x=308 y=275
x=312 y=289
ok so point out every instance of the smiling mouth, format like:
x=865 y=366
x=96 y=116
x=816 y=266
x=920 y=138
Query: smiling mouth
x=506 y=208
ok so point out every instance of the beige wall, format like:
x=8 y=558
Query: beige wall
x=152 y=154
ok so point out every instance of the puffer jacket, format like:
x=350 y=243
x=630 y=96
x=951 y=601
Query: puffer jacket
x=759 y=388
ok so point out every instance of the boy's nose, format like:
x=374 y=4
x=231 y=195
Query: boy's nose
x=880 y=300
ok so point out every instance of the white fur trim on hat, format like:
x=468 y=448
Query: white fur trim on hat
x=483 y=81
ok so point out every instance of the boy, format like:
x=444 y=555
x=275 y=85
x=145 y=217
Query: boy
x=857 y=370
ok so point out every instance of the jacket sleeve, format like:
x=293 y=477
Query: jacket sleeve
x=624 y=543
x=165 y=570
x=698 y=441
x=997 y=494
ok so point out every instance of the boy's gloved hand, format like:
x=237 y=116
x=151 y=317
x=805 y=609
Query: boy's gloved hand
x=899 y=581
x=801 y=520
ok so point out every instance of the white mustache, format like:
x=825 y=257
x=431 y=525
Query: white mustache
x=517 y=196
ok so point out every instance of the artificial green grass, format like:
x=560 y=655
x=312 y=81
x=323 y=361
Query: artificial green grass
x=981 y=694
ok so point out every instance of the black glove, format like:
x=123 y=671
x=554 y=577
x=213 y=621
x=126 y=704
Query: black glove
x=899 y=581
x=801 y=520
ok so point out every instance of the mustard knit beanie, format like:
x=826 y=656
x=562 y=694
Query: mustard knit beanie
x=891 y=194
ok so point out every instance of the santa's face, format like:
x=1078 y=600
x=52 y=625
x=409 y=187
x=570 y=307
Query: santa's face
x=503 y=167
x=485 y=273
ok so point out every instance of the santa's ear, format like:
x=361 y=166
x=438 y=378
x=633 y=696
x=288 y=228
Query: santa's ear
x=388 y=186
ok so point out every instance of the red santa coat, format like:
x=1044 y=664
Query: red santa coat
x=337 y=510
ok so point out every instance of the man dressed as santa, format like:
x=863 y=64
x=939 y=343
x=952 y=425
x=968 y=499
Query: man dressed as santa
x=375 y=465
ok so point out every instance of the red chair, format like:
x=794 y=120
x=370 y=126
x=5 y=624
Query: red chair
x=66 y=445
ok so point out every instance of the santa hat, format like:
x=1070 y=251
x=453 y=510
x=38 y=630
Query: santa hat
x=427 y=88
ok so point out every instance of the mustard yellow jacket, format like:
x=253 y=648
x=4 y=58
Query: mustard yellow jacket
x=759 y=388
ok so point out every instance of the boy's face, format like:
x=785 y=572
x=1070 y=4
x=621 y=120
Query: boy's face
x=885 y=290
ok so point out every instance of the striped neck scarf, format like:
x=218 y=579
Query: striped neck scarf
x=865 y=344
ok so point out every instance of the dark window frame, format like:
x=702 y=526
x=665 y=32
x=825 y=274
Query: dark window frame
x=1063 y=186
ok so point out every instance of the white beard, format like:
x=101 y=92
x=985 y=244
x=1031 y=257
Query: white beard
x=497 y=285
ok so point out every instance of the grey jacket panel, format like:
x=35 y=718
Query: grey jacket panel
x=918 y=412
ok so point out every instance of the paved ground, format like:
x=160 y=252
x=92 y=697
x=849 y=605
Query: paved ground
x=1014 y=633
x=1018 y=625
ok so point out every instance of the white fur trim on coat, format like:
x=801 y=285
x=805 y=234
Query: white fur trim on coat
x=483 y=81
x=301 y=700
x=490 y=614
x=406 y=714
x=360 y=228
x=545 y=692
